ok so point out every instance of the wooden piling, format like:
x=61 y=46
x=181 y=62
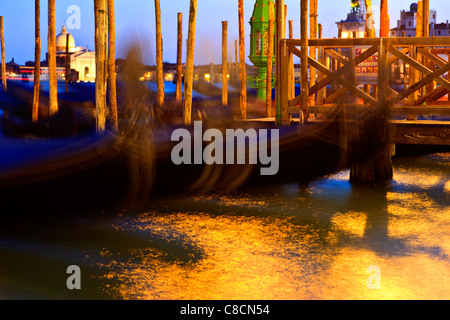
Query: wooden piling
x=384 y=19
x=304 y=61
x=313 y=35
x=291 y=63
x=280 y=26
x=419 y=20
x=269 y=62
x=67 y=61
x=179 y=57
x=37 y=60
x=242 y=67
x=2 y=40
x=189 y=74
x=321 y=95
x=370 y=28
x=159 y=57
x=426 y=18
x=112 y=66
x=236 y=59
x=101 y=66
x=224 y=63
x=53 y=81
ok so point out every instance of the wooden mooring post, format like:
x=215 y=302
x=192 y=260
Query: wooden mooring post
x=112 y=67
x=53 y=81
x=242 y=66
x=372 y=160
x=101 y=65
x=178 y=96
x=224 y=63
x=304 y=61
x=67 y=60
x=189 y=75
x=2 y=40
x=159 y=58
x=37 y=60
x=269 y=62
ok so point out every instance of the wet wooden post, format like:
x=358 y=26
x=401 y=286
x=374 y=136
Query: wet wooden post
x=414 y=74
x=101 y=66
x=373 y=164
x=37 y=60
x=224 y=63
x=426 y=18
x=312 y=50
x=291 y=62
x=269 y=62
x=369 y=31
x=384 y=19
x=159 y=58
x=179 y=57
x=285 y=19
x=370 y=28
x=242 y=68
x=322 y=59
x=189 y=74
x=112 y=66
x=2 y=40
x=66 y=74
x=53 y=81
x=304 y=61
x=280 y=26
x=236 y=59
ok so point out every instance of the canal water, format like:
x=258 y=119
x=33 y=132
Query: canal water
x=328 y=239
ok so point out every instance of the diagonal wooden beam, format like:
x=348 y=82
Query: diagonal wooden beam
x=434 y=94
x=419 y=67
x=436 y=59
x=346 y=68
x=336 y=56
x=296 y=51
x=344 y=82
x=394 y=94
x=395 y=59
x=416 y=86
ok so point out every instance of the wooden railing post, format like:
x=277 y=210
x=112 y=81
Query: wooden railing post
x=304 y=61
x=285 y=75
x=321 y=95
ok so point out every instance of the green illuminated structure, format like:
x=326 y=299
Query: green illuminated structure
x=259 y=40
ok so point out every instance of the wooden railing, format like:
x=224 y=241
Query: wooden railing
x=423 y=65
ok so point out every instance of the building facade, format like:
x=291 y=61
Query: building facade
x=406 y=26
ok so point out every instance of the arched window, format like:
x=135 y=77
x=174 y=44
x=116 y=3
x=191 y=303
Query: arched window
x=86 y=72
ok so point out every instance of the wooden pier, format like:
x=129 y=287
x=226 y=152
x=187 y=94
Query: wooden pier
x=425 y=84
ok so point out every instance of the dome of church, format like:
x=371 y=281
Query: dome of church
x=61 y=40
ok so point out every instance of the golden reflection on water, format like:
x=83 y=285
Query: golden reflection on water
x=284 y=248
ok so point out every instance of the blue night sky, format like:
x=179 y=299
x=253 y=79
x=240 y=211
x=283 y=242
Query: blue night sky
x=135 y=21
